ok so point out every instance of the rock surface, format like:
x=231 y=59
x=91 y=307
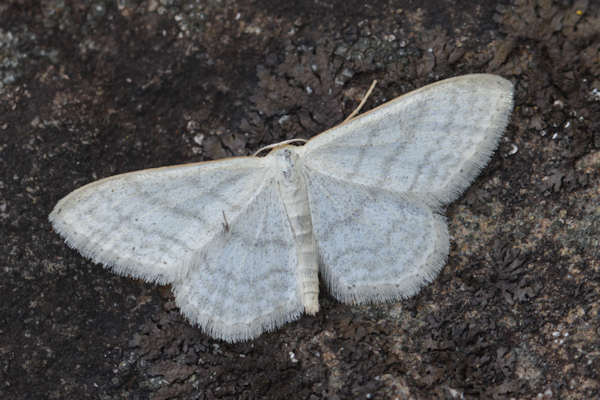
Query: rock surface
x=90 y=89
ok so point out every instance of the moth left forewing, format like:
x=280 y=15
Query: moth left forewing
x=150 y=223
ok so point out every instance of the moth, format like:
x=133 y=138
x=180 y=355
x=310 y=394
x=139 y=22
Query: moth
x=244 y=240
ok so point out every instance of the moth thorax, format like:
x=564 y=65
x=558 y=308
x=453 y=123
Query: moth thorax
x=287 y=163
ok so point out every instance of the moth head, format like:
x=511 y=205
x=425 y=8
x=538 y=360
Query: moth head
x=284 y=155
x=285 y=160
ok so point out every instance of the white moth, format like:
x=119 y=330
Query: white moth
x=243 y=240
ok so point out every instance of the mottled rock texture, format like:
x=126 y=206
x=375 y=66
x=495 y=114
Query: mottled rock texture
x=93 y=88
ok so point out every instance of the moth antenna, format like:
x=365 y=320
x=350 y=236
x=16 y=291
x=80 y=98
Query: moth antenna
x=225 y=223
x=362 y=103
x=272 y=146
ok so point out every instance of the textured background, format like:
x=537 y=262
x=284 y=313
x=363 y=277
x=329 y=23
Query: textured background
x=89 y=89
